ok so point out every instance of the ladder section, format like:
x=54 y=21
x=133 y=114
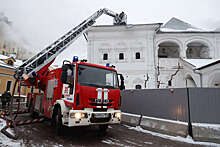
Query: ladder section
x=47 y=55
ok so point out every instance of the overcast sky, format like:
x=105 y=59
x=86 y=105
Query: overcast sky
x=41 y=22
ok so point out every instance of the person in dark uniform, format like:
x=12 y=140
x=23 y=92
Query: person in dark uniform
x=8 y=98
x=123 y=18
x=4 y=100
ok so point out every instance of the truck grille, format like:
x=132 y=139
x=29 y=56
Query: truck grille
x=94 y=102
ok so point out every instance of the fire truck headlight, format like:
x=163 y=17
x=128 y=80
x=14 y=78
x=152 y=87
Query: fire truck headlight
x=77 y=115
x=118 y=115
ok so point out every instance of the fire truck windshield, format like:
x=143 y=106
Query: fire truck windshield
x=97 y=77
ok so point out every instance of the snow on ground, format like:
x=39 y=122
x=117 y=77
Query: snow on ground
x=148 y=142
x=132 y=143
x=112 y=142
x=188 y=139
x=5 y=141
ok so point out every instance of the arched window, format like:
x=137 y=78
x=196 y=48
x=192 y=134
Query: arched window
x=168 y=50
x=197 y=50
x=138 y=55
x=121 y=56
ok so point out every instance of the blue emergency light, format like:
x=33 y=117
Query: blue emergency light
x=107 y=65
x=34 y=74
x=75 y=58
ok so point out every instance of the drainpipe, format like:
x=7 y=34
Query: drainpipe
x=200 y=75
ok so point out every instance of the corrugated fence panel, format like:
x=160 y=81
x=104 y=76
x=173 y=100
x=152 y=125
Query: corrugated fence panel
x=205 y=105
x=160 y=103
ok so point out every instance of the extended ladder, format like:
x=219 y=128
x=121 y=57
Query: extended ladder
x=47 y=55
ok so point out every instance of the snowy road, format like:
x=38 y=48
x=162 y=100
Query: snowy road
x=42 y=134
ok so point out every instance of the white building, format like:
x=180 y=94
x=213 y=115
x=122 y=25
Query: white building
x=156 y=55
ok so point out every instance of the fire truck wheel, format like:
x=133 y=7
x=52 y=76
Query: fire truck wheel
x=103 y=128
x=58 y=122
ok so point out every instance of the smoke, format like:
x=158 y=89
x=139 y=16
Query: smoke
x=10 y=38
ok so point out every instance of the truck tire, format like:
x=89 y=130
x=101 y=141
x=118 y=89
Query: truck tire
x=103 y=128
x=58 y=122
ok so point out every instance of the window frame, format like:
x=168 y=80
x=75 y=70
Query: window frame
x=137 y=54
x=7 y=85
x=105 y=55
x=121 y=56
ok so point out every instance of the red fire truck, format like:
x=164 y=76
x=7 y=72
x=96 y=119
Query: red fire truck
x=79 y=93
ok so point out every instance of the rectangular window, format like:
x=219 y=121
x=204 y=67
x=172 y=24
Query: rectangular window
x=121 y=56
x=138 y=55
x=169 y=83
x=8 y=86
x=105 y=56
x=97 y=77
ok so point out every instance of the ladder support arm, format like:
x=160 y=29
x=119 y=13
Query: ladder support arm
x=37 y=63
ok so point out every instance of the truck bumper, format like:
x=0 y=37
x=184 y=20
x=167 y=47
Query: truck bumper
x=88 y=117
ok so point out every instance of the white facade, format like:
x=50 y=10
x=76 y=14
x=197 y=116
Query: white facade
x=152 y=53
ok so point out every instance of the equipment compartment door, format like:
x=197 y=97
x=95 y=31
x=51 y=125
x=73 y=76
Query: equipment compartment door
x=48 y=102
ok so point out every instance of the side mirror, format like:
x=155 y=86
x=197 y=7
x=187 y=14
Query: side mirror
x=122 y=84
x=64 y=74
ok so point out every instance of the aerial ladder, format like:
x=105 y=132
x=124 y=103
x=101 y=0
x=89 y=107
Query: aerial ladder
x=33 y=70
x=45 y=58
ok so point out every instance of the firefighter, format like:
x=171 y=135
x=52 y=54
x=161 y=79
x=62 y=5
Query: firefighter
x=8 y=98
x=123 y=18
x=4 y=99
x=116 y=20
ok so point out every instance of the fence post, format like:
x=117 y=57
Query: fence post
x=189 y=115
x=139 y=123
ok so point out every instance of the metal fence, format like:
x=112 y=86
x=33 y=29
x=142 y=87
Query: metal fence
x=204 y=103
